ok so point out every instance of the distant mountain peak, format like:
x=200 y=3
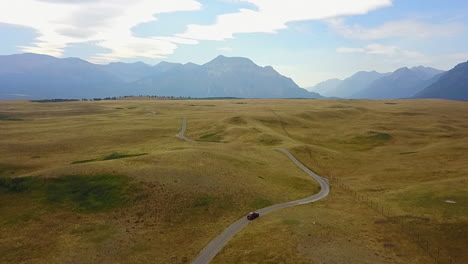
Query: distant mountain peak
x=452 y=85
x=402 y=83
x=230 y=60
x=420 y=67
x=402 y=69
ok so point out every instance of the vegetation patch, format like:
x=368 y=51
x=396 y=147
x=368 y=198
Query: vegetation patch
x=215 y=137
x=112 y=156
x=55 y=100
x=269 y=140
x=237 y=120
x=82 y=193
x=203 y=200
x=260 y=203
x=4 y=169
x=116 y=155
x=408 y=152
x=87 y=193
x=380 y=136
x=7 y=118
x=372 y=138
x=83 y=161
x=17 y=185
x=292 y=222
x=270 y=122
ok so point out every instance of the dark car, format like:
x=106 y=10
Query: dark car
x=252 y=215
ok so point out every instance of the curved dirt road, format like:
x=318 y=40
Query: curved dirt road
x=210 y=251
x=181 y=134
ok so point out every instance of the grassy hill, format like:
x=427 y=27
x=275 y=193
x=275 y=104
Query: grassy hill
x=109 y=182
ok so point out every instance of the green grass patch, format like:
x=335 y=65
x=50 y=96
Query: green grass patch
x=3 y=169
x=87 y=193
x=408 y=152
x=59 y=100
x=237 y=120
x=84 y=161
x=7 y=118
x=116 y=155
x=372 y=139
x=211 y=137
x=260 y=203
x=380 y=136
x=203 y=200
x=18 y=185
x=269 y=140
x=112 y=156
x=81 y=193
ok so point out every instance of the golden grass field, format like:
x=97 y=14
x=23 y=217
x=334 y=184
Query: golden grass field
x=108 y=181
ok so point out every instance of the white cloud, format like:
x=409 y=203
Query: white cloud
x=395 y=29
x=272 y=16
x=393 y=56
x=107 y=23
x=378 y=49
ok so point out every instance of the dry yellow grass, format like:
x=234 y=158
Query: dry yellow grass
x=407 y=155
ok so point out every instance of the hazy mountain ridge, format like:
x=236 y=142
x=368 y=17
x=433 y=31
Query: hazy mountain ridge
x=221 y=77
x=452 y=85
x=402 y=83
x=325 y=88
x=41 y=76
x=349 y=86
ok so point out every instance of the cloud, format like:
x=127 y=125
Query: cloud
x=272 y=16
x=107 y=23
x=395 y=29
x=399 y=57
x=378 y=49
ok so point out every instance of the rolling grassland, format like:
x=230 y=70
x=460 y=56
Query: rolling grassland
x=109 y=181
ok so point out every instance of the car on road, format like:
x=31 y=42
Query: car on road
x=252 y=215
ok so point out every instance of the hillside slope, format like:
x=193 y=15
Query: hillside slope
x=453 y=85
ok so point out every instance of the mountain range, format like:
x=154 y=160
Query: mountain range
x=452 y=85
x=349 y=86
x=402 y=83
x=34 y=76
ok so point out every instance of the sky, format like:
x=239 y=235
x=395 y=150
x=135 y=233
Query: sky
x=307 y=40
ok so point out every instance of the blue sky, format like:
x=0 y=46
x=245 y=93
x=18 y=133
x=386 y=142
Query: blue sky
x=307 y=40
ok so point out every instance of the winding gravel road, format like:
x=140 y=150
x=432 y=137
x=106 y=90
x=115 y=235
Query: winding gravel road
x=215 y=246
x=181 y=134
